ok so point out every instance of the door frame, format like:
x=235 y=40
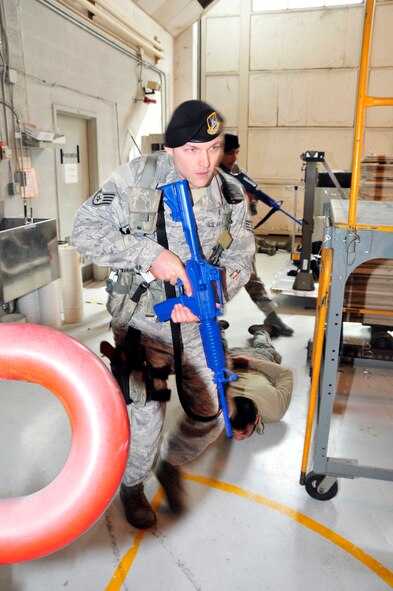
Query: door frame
x=92 y=163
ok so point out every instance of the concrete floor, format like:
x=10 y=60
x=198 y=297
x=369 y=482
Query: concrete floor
x=250 y=525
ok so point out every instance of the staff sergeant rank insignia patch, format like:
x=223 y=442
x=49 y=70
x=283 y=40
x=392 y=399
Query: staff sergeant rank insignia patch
x=101 y=198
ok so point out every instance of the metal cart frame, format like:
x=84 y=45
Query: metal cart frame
x=358 y=233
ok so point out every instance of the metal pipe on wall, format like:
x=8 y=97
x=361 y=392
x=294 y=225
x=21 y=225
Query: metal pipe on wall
x=18 y=140
x=134 y=38
x=120 y=18
x=111 y=42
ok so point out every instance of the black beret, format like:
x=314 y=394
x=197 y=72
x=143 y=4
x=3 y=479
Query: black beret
x=231 y=142
x=193 y=121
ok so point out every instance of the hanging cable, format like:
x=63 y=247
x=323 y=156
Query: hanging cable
x=4 y=55
x=19 y=125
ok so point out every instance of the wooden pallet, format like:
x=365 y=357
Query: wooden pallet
x=369 y=287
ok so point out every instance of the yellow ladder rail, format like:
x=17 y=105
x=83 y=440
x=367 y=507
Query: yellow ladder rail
x=363 y=101
x=316 y=355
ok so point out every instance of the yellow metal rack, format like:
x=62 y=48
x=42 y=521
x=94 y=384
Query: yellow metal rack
x=358 y=232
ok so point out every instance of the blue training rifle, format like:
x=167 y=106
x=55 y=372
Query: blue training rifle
x=251 y=187
x=206 y=300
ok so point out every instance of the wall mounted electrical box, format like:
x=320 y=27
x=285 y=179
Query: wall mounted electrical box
x=152 y=143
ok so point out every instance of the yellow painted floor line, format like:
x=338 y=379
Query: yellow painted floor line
x=370 y=562
x=126 y=562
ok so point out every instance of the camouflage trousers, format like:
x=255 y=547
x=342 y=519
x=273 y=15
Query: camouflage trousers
x=258 y=293
x=262 y=347
x=189 y=438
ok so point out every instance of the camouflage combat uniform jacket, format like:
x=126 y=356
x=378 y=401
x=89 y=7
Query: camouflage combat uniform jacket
x=99 y=233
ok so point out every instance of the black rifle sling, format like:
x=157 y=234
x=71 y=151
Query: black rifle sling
x=170 y=292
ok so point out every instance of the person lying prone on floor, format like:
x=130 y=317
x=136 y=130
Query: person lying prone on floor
x=262 y=393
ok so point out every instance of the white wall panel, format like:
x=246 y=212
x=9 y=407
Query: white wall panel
x=314 y=98
x=380 y=84
x=223 y=93
x=293 y=98
x=382 y=39
x=301 y=98
x=274 y=154
x=311 y=39
x=222 y=44
x=331 y=98
x=185 y=88
x=263 y=101
x=378 y=141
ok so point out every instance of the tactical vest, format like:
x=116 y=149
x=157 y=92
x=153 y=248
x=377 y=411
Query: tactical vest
x=126 y=286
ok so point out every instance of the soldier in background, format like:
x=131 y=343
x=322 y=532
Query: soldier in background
x=105 y=232
x=255 y=286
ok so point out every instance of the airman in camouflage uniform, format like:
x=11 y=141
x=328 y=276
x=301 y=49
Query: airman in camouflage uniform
x=255 y=286
x=107 y=232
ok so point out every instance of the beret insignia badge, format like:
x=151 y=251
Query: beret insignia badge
x=213 y=124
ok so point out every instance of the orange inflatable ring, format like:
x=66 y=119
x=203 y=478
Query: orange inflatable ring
x=43 y=522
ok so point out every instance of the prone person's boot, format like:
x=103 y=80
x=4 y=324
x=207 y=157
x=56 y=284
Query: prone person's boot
x=136 y=506
x=169 y=478
x=267 y=250
x=287 y=245
x=264 y=243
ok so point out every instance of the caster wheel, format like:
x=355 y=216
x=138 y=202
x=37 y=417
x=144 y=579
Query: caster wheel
x=312 y=483
x=382 y=340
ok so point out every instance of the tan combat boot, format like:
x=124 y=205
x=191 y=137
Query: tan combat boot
x=136 y=506
x=169 y=478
